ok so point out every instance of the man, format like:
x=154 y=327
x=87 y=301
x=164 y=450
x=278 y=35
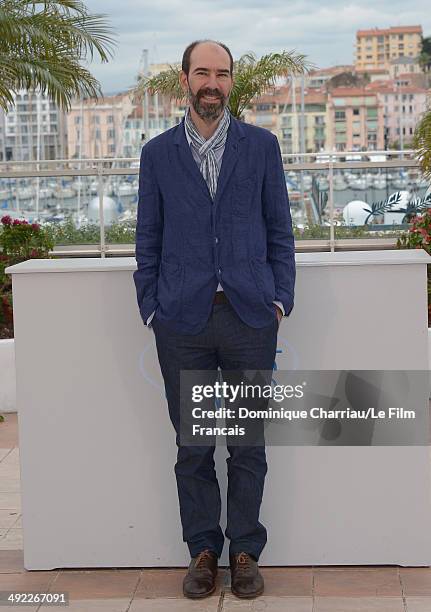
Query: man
x=215 y=274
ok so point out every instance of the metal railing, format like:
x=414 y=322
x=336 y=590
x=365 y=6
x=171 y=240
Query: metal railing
x=102 y=168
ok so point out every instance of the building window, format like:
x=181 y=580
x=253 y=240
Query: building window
x=356 y=111
x=110 y=119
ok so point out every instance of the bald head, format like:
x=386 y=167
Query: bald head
x=206 y=50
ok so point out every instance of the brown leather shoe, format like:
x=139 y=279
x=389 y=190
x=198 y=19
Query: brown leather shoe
x=200 y=580
x=246 y=580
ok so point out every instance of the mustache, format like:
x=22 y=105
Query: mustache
x=208 y=92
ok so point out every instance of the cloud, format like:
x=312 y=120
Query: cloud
x=324 y=32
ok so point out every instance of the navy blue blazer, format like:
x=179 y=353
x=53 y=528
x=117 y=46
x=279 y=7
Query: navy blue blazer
x=186 y=243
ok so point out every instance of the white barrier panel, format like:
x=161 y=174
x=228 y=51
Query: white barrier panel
x=97 y=448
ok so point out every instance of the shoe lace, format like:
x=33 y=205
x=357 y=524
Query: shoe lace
x=202 y=557
x=243 y=562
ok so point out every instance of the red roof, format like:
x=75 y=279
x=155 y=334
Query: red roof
x=284 y=96
x=389 y=86
x=345 y=92
x=393 y=30
x=373 y=70
x=332 y=70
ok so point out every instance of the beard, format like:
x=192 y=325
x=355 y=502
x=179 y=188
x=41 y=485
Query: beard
x=208 y=111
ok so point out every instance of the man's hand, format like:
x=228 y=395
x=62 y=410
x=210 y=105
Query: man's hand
x=278 y=313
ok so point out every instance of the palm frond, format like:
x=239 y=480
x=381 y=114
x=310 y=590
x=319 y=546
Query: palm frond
x=42 y=43
x=252 y=77
x=422 y=143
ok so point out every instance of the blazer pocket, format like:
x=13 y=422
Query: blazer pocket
x=169 y=286
x=264 y=278
x=243 y=196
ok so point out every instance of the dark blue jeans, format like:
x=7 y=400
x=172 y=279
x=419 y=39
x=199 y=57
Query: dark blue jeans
x=225 y=342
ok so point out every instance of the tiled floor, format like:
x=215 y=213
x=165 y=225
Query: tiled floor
x=289 y=589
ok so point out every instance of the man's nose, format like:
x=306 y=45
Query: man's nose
x=212 y=82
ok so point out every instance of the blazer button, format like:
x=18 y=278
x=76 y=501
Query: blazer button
x=219 y=270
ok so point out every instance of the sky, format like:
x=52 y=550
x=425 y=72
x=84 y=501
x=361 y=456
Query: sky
x=324 y=31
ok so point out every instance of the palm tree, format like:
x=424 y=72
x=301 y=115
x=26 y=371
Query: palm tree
x=252 y=77
x=425 y=55
x=422 y=143
x=42 y=43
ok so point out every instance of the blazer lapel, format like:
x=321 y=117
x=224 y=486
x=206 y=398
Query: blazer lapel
x=230 y=157
x=229 y=160
x=187 y=161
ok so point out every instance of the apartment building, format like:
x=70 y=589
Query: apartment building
x=307 y=131
x=403 y=106
x=356 y=120
x=318 y=79
x=33 y=128
x=136 y=133
x=404 y=65
x=95 y=128
x=375 y=48
x=280 y=112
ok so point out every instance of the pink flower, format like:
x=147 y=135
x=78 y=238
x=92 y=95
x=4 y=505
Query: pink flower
x=6 y=220
x=35 y=226
x=16 y=222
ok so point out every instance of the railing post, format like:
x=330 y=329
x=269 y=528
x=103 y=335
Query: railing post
x=100 y=189
x=331 y=205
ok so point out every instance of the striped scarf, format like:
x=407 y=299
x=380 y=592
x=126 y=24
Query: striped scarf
x=206 y=148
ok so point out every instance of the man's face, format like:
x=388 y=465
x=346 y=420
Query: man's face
x=209 y=82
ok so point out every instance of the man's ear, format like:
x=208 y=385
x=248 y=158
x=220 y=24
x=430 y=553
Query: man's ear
x=183 y=80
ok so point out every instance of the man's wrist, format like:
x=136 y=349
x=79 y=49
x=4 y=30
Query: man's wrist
x=279 y=306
